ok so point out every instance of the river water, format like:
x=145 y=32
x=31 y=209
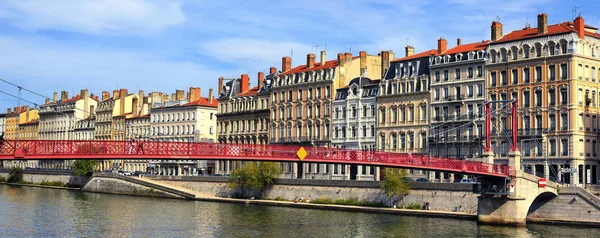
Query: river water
x=40 y=212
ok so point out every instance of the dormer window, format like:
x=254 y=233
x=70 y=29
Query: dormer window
x=457 y=57
x=446 y=58
x=470 y=56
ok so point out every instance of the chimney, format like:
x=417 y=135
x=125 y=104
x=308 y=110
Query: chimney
x=272 y=70
x=496 y=30
x=92 y=110
x=260 y=78
x=409 y=50
x=8 y=110
x=141 y=95
x=115 y=94
x=286 y=63
x=47 y=100
x=220 y=89
x=310 y=60
x=64 y=95
x=179 y=94
x=385 y=62
x=26 y=113
x=580 y=27
x=363 y=59
x=348 y=57
x=134 y=106
x=122 y=96
x=442 y=44
x=194 y=94
x=86 y=102
x=341 y=59
x=105 y=95
x=245 y=80
x=210 y=95
x=173 y=97
x=458 y=41
x=55 y=96
x=542 y=23
x=323 y=58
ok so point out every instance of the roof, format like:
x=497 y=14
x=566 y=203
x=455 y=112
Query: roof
x=250 y=92
x=419 y=55
x=525 y=33
x=202 y=102
x=141 y=116
x=303 y=68
x=73 y=99
x=467 y=48
x=36 y=121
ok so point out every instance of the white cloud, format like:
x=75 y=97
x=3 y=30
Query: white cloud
x=94 y=16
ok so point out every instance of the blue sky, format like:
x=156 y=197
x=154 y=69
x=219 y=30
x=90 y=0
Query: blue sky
x=56 y=45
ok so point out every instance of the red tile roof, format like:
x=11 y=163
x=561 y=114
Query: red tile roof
x=202 y=102
x=419 y=55
x=467 y=48
x=252 y=91
x=303 y=68
x=526 y=33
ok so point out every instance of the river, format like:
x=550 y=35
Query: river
x=29 y=211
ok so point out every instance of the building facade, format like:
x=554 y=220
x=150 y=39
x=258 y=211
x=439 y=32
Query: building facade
x=552 y=71
x=458 y=98
x=84 y=129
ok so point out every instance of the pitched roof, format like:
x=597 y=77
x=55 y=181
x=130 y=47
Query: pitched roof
x=202 y=102
x=419 y=55
x=303 y=68
x=528 y=32
x=250 y=92
x=36 y=121
x=467 y=48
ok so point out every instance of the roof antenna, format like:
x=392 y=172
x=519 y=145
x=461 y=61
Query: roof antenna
x=407 y=41
x=325 y=45
x=527 y=23
x=292 y=53
x=317 y=49
x=575 y=11
x=350 y=49
x=498 y=19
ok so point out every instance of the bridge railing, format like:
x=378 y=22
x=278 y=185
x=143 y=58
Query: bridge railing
x=181 y=149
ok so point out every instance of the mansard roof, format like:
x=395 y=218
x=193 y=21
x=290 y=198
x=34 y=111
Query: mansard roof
x=556 y=29
x=467 y=48
x=416 y=56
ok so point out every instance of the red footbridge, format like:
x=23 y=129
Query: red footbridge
x=155 y=150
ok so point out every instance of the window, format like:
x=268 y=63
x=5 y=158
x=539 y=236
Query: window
x=318 y=93
x=527 y=148
x=552 y=96
x=552 y=147
x=457 y=73
x=579 y=71
x=423 y=112
x=564 y=122
x=593 y=74
x=526 y=52
x=480 y=71
x=538 y=74
x=437 y=76
x=470 y=91
x=493 y=79
x=526 y=99
x=563 y=48
x=538 y=98
x=538 y=50
x=299 y=94
x=526 y=75
x=327 y=91
x=364 y=111
x=445 y=75
x=563 y=96
x=343 y=112
x=394 y=116
x=470 y=72
x=503 y=78
x=326 y=109
x=354 y=112
x=552 y=72
x=515 y=76
x=564 y=147
x=552 y=118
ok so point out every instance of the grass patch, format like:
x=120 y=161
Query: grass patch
x=414 y=206
x=53 y=183
x=349 y=202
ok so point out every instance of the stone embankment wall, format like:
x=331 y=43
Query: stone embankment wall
x=571 y=205
x=120 y=186
x=39 y=176
x=441 y=196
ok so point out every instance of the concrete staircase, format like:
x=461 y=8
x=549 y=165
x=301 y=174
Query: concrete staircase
x=165 y=187
x=586 y=195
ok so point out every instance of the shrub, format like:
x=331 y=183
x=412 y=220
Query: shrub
x=15 y=175
x=53 y=183
x=84 y=167
x=254 y=176
x=2 y=179
x=414 y=206
x=347 y=202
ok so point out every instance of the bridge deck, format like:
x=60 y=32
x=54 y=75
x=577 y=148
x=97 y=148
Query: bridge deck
x=131 y=150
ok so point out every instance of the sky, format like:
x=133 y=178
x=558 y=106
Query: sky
x=155 y=45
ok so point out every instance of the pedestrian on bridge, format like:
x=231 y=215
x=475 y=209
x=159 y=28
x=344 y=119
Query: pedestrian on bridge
x=140 y=146
x=2 y=142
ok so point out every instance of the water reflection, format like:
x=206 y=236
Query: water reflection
x=46 y=212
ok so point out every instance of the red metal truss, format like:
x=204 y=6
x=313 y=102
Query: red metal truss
x=61 y=149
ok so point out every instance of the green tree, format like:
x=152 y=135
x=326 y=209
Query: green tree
x=83 y=167
x=254 y=176
x=15 y=175
x=394 y=183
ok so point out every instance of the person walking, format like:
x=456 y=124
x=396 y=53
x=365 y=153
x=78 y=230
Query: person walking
x=2 y=143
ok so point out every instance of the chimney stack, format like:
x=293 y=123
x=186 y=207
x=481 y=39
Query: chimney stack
x=105 y=95
x=409 y=50
x=210 y=95
x=220 y=89
x=323 y=58
x=341 y=59
x=8 y=110
x=179 y=95
x=64 y=95
x=86 y=102
x=55 y=96
x=116 y=94
x=194 y=94
x=47 y=100
x=542 y=23
x=244 y=83
x=134 y=106
x=92 y=110
x=385 y=62
x=26 y=113
x=261 y=77
x=579 y=27
x=363 y=59
x=286 y=63
x=272 y=70
x=496 y=30
x=458 y=41
x=123 y=97
x=442 y=45
x=348 y=57
x=141 y=95
x=310 y=60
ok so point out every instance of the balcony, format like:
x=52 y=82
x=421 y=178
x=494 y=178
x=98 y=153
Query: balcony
x=530 y=131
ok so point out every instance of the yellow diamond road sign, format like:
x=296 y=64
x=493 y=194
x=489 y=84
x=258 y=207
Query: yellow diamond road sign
x=301 y=153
